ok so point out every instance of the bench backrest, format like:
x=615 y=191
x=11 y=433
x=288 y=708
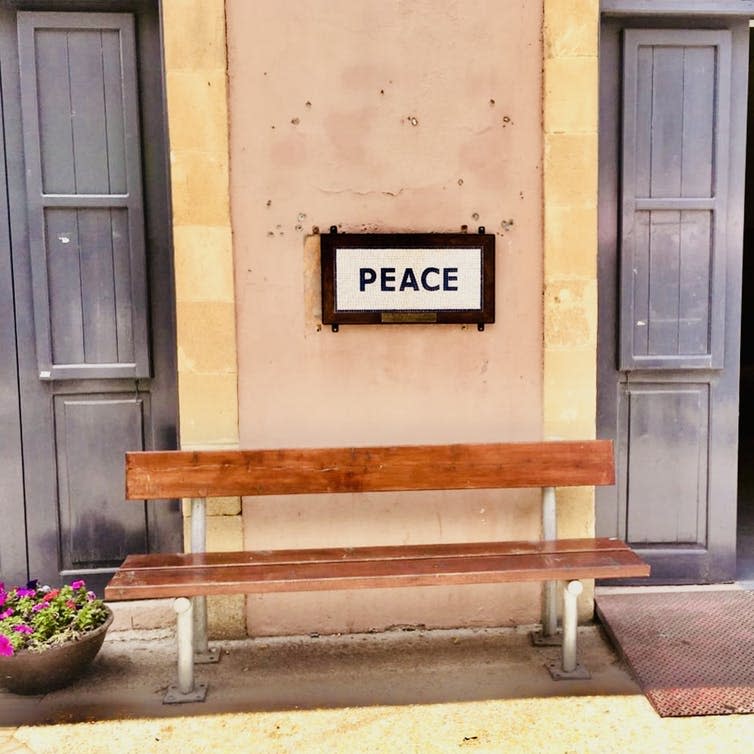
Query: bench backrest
x=218 y=473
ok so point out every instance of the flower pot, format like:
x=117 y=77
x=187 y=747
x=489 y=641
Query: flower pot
x=29 y=672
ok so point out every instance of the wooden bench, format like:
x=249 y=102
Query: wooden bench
x=202 y=474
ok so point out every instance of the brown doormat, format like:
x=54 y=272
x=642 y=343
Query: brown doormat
x=692 y=653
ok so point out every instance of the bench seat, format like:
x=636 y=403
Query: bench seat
x=188 y=575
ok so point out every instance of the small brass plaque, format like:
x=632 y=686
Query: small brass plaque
x=408 y=318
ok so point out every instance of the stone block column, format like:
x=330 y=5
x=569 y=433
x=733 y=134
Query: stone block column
x=196 y=82
x=570 y=109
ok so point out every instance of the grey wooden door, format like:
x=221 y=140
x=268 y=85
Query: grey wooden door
x=673 y=103
x=88 y=226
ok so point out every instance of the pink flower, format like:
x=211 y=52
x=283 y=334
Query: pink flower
x=6 y=614
x=6 y=648
x=22 y=628
x=78 y=584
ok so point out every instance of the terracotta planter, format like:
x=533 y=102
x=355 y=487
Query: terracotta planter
x=39 y=672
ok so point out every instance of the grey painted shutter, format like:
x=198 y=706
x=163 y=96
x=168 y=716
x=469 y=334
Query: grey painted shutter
x=83 y=178
x=676 y=102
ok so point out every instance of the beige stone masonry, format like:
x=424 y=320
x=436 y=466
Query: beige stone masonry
x=568 y=231
x=224 y=533
x=194 y=35
x=565 y=79
x=196 y=80
x=203 y=277
x=217 y=506
x=196 y=83
x=570 y=114
x=197 y=96
x=571 y=29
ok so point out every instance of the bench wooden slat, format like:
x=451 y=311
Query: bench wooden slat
x=379 y=552
x=170 y=474
x=614 y=561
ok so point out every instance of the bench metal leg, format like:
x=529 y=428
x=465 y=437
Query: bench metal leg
x=548 y=636
x=570 y=669
x=185 y=690
x=202 y=653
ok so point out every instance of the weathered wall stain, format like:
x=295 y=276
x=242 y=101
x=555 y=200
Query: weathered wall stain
x=424 y=116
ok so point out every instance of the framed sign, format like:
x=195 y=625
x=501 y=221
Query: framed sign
x=408 y=278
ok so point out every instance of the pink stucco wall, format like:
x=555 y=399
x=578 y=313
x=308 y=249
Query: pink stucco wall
x=385 y=116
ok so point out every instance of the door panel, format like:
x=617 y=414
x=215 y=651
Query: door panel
x=668 y=289
x=672 y=139
x=84 y=253
x=674 y=187
x=96 y=431
x=89 y=296
x=83 y=179
x=665 y=459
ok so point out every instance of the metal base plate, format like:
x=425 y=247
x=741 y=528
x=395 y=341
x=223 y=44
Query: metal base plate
x=579 y=673
x=174 y=695
x=205 y=658
x=540 y=639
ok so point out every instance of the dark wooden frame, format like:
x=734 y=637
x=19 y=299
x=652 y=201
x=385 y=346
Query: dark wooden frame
x=331 y=241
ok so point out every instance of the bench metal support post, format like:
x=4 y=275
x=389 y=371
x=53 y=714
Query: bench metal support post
x=549 y=636
x=198 y=524
x=202 y=653
x=185 y=690
x=570 y=624
x=550 y=531
x=570 y=668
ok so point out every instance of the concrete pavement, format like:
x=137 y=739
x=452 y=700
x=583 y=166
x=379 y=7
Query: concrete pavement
x=402 y=691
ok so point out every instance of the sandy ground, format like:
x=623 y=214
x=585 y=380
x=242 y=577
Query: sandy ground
x=402 y=691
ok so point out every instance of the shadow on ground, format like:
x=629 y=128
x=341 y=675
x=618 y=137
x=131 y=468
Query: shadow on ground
x=133 y=670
